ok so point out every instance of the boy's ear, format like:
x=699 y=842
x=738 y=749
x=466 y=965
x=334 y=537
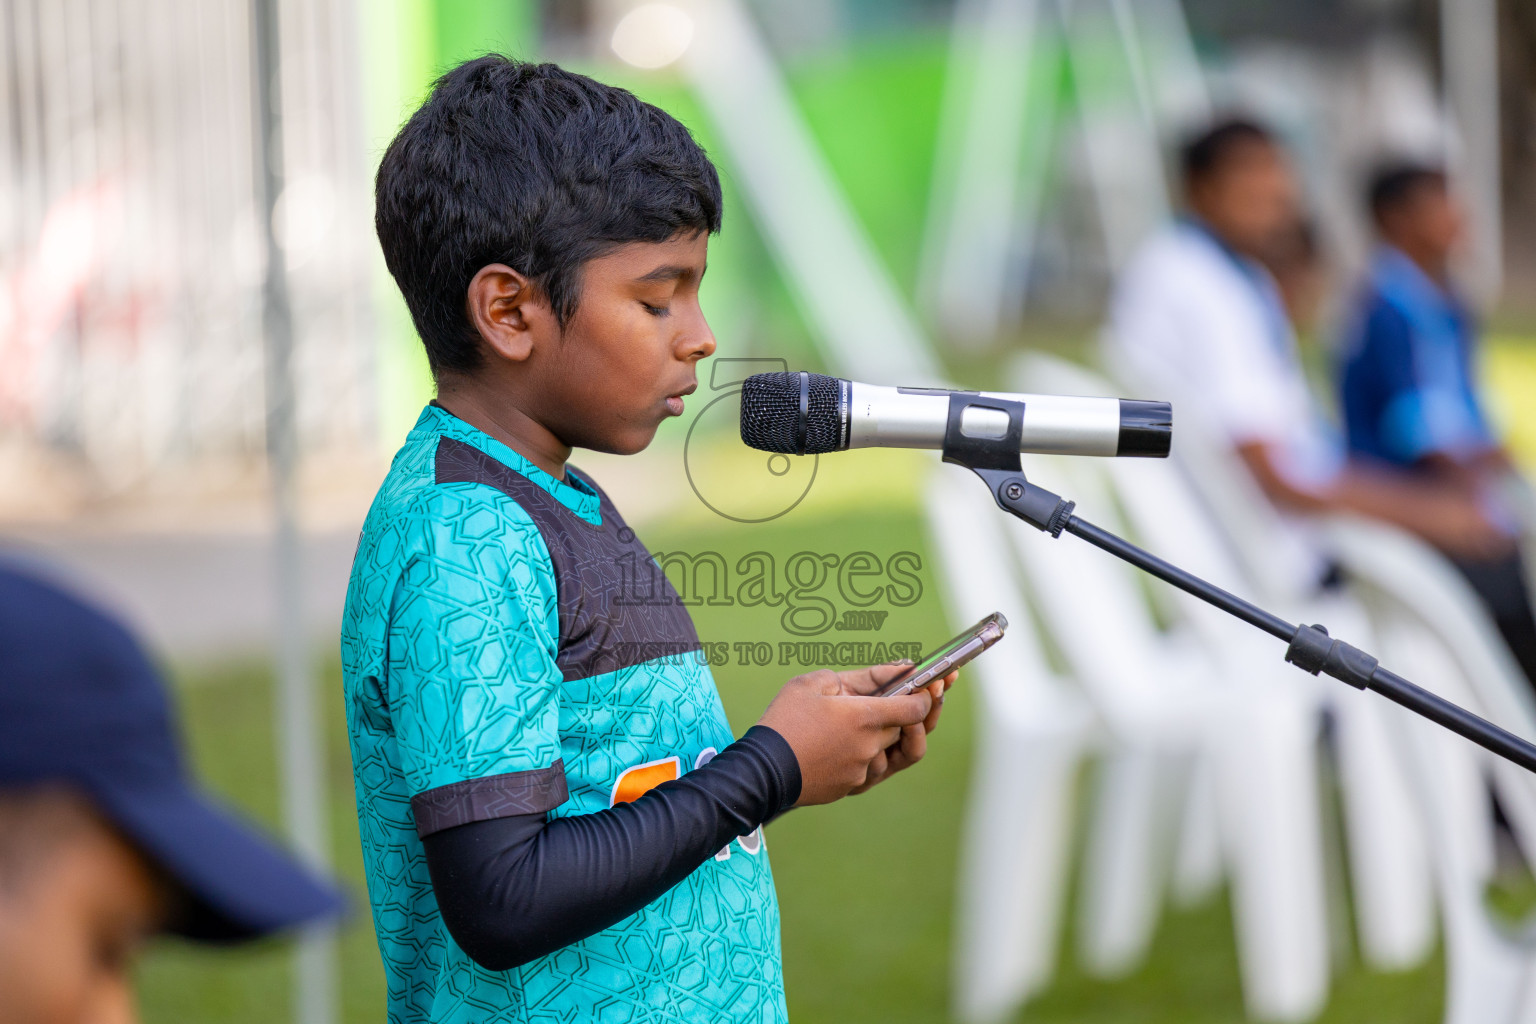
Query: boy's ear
x=509 y=313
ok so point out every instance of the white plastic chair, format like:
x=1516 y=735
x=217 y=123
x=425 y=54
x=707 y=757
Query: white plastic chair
x=1431 y=627
x=1269 y=551
x=1168 y=705
x=1489 y=968
x=1032 y=741
x=1389 y=863
x=1440 y=638
x=1032 y=734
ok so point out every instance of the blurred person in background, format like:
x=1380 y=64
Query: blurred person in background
x=1198 y=315
x=1301 y=274
x=105 y=841
x=1406 y=380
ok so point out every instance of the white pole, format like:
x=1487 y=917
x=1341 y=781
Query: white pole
x=1180 y=97
x=851 y=303
x=299 y=737
x=964 y=279
x=1124 y=161
x=1470 y=57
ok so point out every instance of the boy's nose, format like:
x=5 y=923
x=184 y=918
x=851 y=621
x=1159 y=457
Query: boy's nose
x=699 y=343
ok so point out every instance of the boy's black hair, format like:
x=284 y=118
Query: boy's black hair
x=1206 y=153
x=537 y=168
x=1394 y=185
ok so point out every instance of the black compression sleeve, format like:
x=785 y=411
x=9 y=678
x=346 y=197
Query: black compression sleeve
x=513 y=889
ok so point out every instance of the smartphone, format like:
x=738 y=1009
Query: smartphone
x=948 y=657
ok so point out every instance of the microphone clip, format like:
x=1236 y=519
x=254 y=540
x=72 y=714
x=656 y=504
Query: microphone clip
x=983 y=451
x=995 y=458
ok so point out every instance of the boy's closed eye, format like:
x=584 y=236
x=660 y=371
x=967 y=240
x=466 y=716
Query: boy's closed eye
x=676 y=276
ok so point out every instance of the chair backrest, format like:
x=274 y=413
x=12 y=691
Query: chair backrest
x=1031 y=733
x=1164 y=513
x=1272 y=555
x=1157 y=501
x=977 y=573
x=1404 y=575
x=1096 y=611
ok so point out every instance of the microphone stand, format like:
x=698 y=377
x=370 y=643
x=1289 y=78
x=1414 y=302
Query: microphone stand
x=1311 y=649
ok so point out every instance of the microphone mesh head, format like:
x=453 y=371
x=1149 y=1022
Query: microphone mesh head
x=770 y=411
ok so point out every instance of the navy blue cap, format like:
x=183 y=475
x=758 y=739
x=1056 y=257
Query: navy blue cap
x=81 y=706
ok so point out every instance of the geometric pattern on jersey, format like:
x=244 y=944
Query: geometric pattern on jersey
x=485 y=597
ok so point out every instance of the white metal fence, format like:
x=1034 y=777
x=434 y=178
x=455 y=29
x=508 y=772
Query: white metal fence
x=130 y=252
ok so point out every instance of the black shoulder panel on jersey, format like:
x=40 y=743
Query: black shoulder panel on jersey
x=617 y=608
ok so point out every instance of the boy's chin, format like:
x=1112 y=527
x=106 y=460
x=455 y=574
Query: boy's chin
x=632 y=443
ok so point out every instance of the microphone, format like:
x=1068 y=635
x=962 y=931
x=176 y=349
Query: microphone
x=810 y=413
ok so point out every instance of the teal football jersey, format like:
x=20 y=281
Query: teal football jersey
x=501 y=657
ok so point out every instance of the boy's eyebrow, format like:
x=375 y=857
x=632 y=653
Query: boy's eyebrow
x=669 y=272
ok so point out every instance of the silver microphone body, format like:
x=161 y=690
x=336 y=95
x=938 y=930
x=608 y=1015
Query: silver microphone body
x=808 y=413
x=885 y=417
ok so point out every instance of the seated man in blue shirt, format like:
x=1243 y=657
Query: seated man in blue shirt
x=1406 y=378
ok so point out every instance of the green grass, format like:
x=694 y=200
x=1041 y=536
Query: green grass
x=866 y=886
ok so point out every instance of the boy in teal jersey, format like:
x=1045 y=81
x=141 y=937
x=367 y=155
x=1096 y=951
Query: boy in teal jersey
x=557 y=822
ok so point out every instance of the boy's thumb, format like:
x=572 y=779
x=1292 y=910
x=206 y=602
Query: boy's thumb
x=908 y=709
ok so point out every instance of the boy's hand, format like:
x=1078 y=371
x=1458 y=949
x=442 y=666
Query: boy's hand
x=845 y=740
x=913 y=743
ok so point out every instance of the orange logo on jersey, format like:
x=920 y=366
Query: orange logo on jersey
x=642 y=778
x=635 y=782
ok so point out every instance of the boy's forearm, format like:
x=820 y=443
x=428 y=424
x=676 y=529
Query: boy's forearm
x=514 y=889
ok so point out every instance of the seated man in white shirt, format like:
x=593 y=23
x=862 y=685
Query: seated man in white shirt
x=1196 y=316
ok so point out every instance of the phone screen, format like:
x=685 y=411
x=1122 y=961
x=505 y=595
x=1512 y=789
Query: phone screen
x=948 y=657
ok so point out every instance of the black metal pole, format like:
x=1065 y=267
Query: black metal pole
x=1457 y=719
x=1169 y=573
x=1310 y=647
x=1389 y=684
